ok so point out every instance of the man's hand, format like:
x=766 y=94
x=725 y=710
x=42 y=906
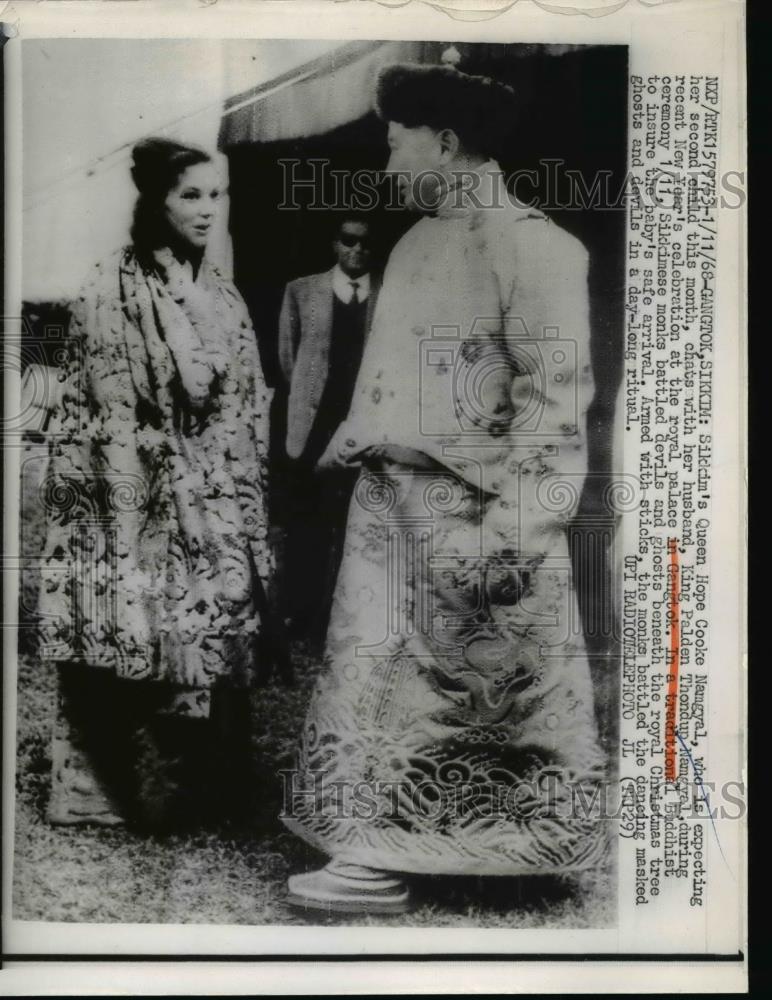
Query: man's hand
x=342 y=451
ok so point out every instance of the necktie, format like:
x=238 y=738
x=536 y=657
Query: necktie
x=354 y=300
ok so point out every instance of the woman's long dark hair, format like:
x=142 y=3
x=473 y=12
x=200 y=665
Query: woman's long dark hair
x=156 y=169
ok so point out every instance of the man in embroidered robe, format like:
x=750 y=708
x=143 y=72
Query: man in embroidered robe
x=452 y=729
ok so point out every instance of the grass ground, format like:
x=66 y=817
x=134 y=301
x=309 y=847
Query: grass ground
x=235 y=874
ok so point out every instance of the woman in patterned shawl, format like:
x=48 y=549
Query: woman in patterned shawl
x=157 y=557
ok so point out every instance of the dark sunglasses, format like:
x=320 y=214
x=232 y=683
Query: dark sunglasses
x=348 y=240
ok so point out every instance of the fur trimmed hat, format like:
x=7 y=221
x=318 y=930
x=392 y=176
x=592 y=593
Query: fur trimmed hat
x=479 y=110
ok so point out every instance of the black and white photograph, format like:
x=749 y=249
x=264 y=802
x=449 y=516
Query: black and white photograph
x=320 y=352
x=374 y=422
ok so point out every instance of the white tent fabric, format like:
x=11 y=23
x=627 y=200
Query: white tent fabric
x=327 y=92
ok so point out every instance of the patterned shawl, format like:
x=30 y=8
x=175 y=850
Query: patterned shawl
x=156 y=485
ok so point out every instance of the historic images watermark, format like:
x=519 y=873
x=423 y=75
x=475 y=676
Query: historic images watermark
x=632 y=802
x=314 y=184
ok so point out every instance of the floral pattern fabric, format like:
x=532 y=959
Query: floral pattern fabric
x=155 y=492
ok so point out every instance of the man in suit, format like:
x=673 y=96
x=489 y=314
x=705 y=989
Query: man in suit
x=322 y=328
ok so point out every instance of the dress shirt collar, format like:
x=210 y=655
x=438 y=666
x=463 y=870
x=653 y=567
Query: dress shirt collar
x=341 y=285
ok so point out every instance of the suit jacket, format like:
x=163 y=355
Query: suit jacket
x=305 y=328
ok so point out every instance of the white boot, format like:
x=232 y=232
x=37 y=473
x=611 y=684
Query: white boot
x=344 y=887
